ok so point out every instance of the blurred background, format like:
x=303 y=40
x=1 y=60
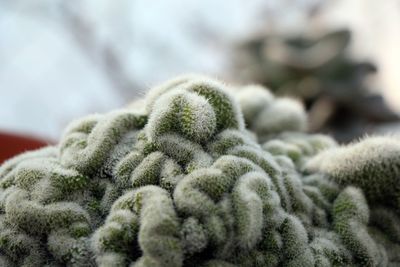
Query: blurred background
x=60 y=60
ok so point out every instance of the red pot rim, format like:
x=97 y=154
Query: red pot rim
x=12 y=144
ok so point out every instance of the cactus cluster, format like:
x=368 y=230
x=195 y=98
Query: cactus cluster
x=202 y=176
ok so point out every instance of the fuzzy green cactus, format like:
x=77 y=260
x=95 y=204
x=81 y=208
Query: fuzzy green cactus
x=183 y=182
x=268 y=116
x=371 y=164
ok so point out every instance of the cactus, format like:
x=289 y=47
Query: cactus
x=268 y=116
x=201 y=177
x=371 y=164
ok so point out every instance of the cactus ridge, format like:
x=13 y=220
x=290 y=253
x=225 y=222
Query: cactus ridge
x=202 y=177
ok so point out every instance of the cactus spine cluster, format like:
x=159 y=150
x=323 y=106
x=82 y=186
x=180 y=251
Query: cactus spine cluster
x=201 y=176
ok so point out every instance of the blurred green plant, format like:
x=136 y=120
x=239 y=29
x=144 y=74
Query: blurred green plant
x=320 y=71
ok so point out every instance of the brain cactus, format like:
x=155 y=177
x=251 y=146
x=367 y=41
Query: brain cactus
x=202 y=176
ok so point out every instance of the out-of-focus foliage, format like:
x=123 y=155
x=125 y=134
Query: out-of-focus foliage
x=318 y=70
